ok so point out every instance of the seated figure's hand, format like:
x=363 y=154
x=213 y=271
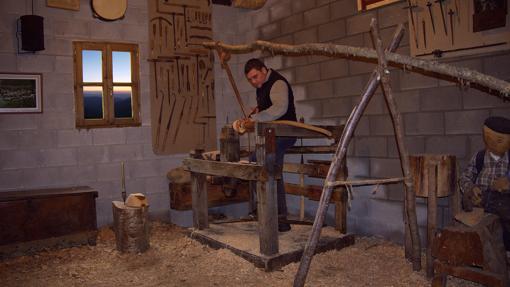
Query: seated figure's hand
x=472 y=197
x=477 y=196
x=501 y=184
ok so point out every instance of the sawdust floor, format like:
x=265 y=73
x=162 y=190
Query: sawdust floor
x=176 y=260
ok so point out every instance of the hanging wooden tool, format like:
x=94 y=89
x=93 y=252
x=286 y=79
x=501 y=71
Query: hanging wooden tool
x=224 y=57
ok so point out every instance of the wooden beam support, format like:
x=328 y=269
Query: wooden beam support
x=245 y=171
x=267 y=211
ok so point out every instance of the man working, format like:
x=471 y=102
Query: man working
x=275 y=101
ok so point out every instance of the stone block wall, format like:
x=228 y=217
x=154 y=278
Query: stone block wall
x=439 y=117
x=45 y=149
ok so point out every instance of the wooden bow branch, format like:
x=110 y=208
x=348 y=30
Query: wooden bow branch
x=464 y=76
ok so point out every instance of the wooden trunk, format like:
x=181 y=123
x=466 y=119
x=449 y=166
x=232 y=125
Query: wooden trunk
x=131 y=226
x=32 y=220
x=420 y=172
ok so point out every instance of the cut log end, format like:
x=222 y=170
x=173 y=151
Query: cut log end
x=131 y=226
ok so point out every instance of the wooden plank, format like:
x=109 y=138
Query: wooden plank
x=180 y=195
x=312 y=192
x=267 y=211
x=199 y=198
x=312 y=170
x=244 y=171
x=311 y=149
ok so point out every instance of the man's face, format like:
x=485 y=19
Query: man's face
x=256 y=77
x=495 y=142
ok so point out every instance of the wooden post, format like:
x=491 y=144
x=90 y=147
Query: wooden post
x=131 y=226
x=433 y=182
x=341 y=212
x=433 y=176
x=267 y=211
x=199 y=197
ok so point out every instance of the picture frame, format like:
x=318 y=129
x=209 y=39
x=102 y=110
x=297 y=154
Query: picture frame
x=20 y=93
x=64 y=4
x=364 y=5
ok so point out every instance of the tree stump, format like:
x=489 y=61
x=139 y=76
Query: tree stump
x=131 y=226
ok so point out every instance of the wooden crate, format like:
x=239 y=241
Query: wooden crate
x=31 y=220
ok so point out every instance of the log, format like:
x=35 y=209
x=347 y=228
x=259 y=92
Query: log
x=446 y=165
x=131 y=226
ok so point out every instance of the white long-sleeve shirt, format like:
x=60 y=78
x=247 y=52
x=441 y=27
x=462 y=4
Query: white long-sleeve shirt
x=280 y=99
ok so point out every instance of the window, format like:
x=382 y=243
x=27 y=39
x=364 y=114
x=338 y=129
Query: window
x=106 y=84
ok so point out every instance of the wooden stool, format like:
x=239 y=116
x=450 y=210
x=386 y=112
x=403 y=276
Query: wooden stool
x=473 y=253
x=433 y=177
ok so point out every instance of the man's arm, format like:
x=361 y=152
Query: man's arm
x=280 y=99
x=468 y=175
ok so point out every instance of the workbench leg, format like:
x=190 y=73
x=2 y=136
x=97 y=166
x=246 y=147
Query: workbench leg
x=341 y=213
x=267 y=211
x=199 y=200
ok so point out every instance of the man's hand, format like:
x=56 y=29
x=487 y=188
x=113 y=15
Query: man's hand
x=255 y=110
x=471 y=197
x=501 y=184
x=243 y=125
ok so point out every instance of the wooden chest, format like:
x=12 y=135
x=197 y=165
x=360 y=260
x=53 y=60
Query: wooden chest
x=31 y=220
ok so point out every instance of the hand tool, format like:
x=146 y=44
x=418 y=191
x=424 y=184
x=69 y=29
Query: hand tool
x=451 y=13
x=429 y=6
x=424 y=34
x=442 y=15
x=223 y=59
x=410 y=6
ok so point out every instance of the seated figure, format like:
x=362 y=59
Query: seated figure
x=485 y=182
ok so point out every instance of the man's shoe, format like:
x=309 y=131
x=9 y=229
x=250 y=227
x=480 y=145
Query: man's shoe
x=283 y=227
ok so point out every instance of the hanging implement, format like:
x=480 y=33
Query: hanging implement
x=429 y=5
x=410 y=6
x=442 y=15
x=451 y=13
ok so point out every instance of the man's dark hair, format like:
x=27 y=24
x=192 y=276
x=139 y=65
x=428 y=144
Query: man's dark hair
x=253 y=63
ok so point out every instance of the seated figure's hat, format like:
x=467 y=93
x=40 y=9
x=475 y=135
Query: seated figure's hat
x=498 y=124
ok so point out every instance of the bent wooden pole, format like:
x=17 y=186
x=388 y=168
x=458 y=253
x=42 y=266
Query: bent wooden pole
x=336 y=165
x=226 y=67
x=410 y=202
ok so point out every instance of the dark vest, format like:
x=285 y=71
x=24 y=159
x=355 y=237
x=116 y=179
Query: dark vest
x=264 y=99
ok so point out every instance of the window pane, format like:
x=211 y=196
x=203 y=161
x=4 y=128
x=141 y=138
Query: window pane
x=122 y=102
x=121 y=64
x=92 y=66
x=93 y=102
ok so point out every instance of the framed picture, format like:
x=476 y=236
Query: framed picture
x=64 y=4
x=20 y=93
x=371 y=4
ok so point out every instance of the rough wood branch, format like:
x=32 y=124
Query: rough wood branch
x=365 y=181
x=464 y=76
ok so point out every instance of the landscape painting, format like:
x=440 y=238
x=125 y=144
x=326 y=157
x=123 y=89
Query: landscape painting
x=20 y=93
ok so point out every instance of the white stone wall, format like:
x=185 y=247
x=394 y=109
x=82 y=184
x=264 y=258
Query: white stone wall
x=46 y=150
x=438 y=116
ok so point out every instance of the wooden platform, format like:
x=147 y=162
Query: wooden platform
x=243 y=240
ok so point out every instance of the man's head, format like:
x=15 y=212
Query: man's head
x=496 y=135
x=255 y=72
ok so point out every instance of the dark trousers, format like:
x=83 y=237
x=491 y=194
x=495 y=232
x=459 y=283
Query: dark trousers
x=498 y=203
x=282 y=144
